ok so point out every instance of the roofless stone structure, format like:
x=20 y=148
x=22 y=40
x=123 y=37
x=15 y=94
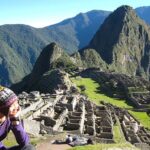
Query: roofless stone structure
x=76 y=114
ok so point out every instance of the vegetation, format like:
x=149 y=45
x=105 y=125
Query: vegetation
x=90 y=59
x=26 y=42
x=104 y=147
x=65 y=63
x=91 y=91
x=142 y=117
x=10 y=140
x=118 y=137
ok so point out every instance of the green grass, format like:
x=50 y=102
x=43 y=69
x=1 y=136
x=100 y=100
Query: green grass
x=10 y=140
x=119 y=139
x=118 y=135
x=142 y=117
x=104 y=147
x=92 y=92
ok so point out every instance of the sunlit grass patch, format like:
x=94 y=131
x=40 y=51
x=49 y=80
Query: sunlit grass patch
x=91 y=91
x=105 y=147
x=142 y=117
x=10 y=140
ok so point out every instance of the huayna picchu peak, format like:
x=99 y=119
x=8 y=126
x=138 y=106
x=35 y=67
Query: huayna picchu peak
x=123 y=42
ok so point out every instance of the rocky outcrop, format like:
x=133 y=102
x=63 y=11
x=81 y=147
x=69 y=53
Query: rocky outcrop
x=48 y=73
x=88 y=58
x=75 y=114
x=49 y=54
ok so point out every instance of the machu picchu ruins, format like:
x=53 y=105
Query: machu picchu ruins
x=76 y=114
x=84 y=81
x=66 y=110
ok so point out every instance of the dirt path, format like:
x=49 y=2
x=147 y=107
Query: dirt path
x=47 y=145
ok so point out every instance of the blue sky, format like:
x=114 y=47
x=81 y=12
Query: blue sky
x=40 y=13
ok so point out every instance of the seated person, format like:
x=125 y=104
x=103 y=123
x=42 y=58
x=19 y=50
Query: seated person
x=69 y=139
x=9 y=120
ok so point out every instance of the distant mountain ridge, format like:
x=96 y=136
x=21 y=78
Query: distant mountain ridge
x=81 y=25
x=143 y=13
x=20 y=45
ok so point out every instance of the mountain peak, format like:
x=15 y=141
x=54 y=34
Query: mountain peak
x=123 y=41
x=122 y=21
x=125 y=8
x=126 y=12
x=48 y=55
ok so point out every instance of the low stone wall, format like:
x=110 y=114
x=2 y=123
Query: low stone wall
x=74 y=103
x=133 y=131
x=46 y=129
x=39 y=111
x=31 y=107
x=48 y=121
x=105 y=135
x=60 y=120
x=32 y=127
x=82 y=119
x=72 y=126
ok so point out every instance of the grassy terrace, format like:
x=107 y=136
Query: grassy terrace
x=105 y=147
x=10 y=140
x=91 y=91
x=142 y=117
x=94 y=95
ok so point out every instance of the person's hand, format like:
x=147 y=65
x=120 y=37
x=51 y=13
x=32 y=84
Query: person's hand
x=14 y=110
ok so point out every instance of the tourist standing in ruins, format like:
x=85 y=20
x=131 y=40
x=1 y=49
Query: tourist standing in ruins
x=9 y=120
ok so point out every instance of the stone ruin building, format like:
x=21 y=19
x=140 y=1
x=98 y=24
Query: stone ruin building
x=133 y=131
x=75 y=114
x=51 y=114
